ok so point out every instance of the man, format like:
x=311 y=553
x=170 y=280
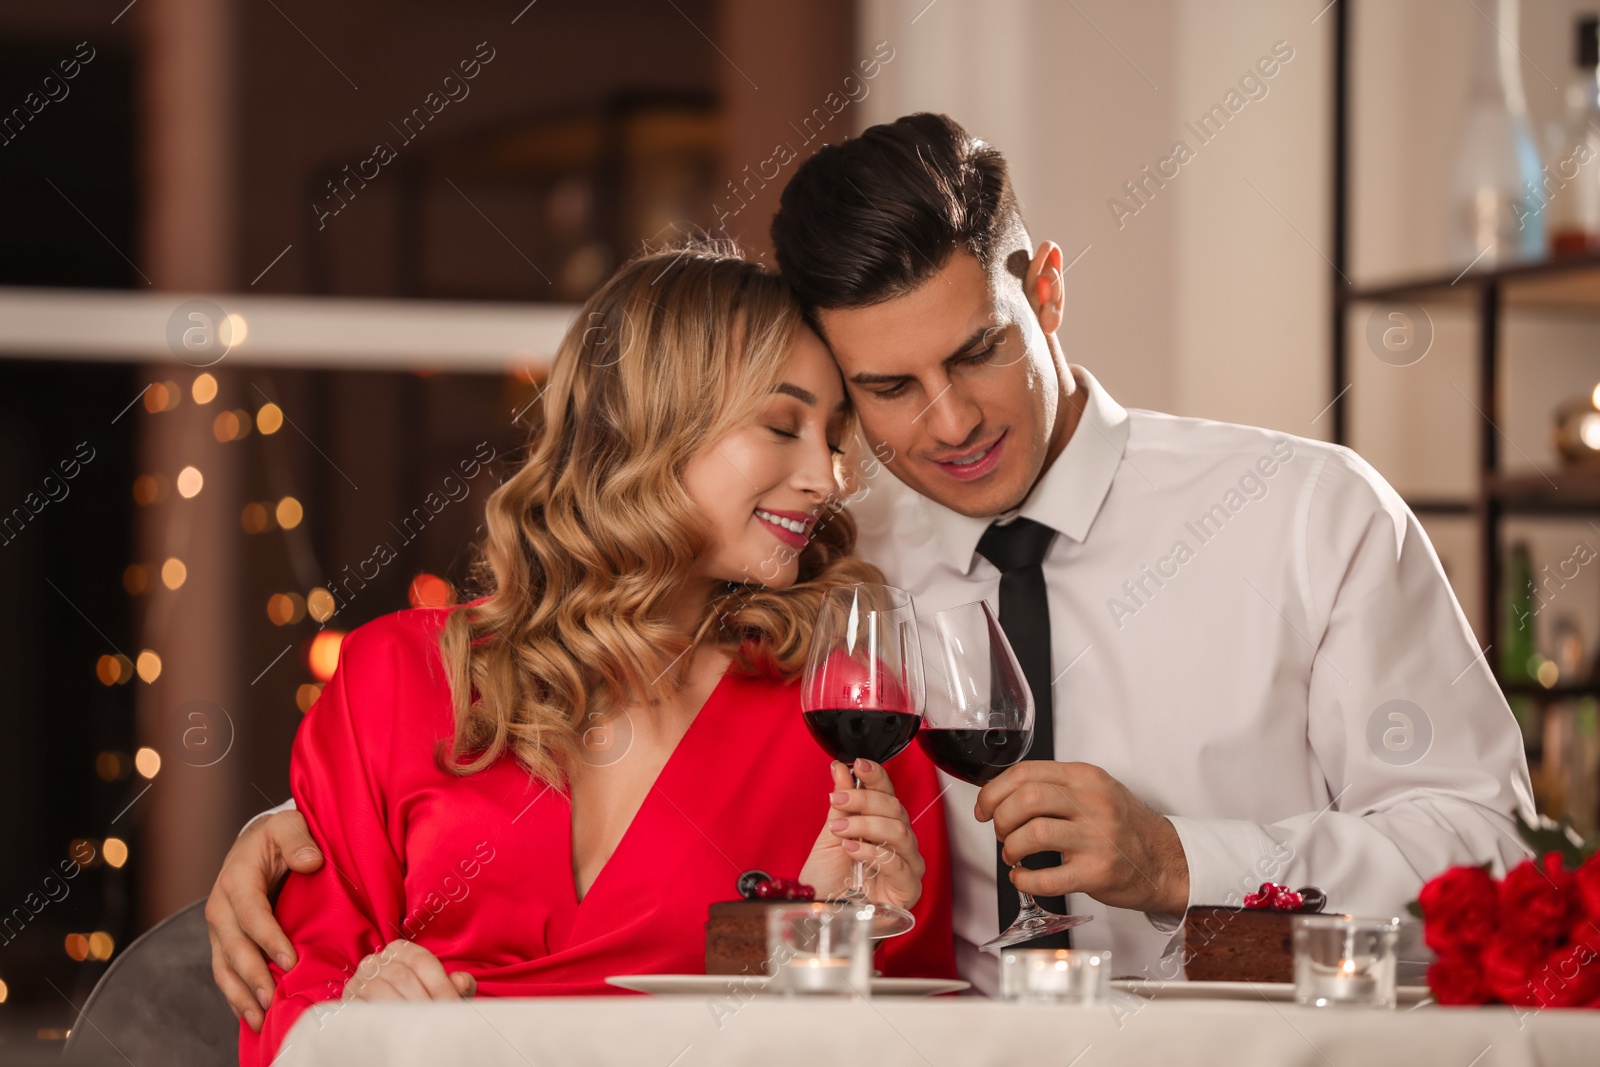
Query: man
x=1247 y=663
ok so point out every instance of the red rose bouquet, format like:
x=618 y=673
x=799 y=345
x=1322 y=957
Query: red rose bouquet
x=1530 y=939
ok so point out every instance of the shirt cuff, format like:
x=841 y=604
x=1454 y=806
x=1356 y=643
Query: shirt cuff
x=1228 y=858
x=287 y=805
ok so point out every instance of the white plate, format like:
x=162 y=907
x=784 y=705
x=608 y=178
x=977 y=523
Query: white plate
x=1406 y=994
x=716 y=985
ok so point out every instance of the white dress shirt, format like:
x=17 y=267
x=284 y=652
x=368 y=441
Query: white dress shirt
x=1232 y=612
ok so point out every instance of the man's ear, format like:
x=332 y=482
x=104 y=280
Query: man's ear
x=1046 y=294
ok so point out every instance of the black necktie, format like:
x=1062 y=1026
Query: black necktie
x=1018 y=549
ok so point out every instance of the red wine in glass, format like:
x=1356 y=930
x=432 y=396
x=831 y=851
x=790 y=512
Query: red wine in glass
x=977 y=721
x=975 y=755
x=862 y=696
x=849 y=734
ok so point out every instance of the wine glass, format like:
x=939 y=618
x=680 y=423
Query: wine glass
x=977 y=721
x=862 y=696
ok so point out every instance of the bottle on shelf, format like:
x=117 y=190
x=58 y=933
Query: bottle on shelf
x=1498 y=202
x=1517 y=649
x=1571 y=184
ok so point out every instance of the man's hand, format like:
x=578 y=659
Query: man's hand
x=239 y=916
x=1113 y=847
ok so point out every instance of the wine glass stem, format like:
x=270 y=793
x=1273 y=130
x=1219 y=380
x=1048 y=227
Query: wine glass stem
x=856 y=889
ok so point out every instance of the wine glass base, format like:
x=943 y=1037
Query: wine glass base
x=1024 y=930
x=887 y=920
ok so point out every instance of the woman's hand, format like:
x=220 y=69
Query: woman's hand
x=404 y=970
x=869 y=825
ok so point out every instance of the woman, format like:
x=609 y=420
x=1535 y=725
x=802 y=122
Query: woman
x=547 y=786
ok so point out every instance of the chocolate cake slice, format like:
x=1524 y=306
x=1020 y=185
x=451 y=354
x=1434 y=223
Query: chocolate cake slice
x=736 y=936
x=1248 y=944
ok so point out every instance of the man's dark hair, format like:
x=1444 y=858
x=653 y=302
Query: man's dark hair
x=876 y=216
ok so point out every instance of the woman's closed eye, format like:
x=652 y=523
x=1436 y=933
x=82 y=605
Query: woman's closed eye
x=835 y=449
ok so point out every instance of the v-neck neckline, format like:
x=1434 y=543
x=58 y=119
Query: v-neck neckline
x=674 y=759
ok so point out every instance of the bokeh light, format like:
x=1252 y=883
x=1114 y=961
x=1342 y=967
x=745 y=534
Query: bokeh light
x=289 y=513
x=173 y=573
x=236 y=330
x=135 y=579
x=430 y=591
x=78 y=947
x=148 y=762
x=204 y=389
x=323 y=657
x=101 y=946
x=225 y=427
x=113 y=670
x=148 y=665
x=108 y=765
x=162 y=396
x=320 y=604
x=149 y=489
x=269 y=419
x=286 y=608
x=255 y=518
x=190 y=482
x=307 y=695
x=116 y=851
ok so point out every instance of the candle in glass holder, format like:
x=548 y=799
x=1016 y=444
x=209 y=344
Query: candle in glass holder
x=1054 y=975
x=1340 y=960
x=821 y=948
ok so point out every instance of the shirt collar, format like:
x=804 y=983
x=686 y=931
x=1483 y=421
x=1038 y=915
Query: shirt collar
x=1067 y=496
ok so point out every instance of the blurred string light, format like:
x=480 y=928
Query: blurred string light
x=162 y=396
x=149 y=489
x=307 y=695
x=430 y=591
x=289 y=513
x=81 y=846
x=101 y=946
x=269 y=418
x=135 y=579
x=320 y=604
x=204 y=389
x=148 y=665
x=286 y=608
x=97 y=946
x=173 y=573
x=116 y=852
x=323 y=655
x=226 y=426
x=256 y=518
x=109 y=766
x=190 y=482
x=148 y=762
x=236 y=330
x=114 y=670
x=4 y=992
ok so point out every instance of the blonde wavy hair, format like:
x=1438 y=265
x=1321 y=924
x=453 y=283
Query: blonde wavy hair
x=587 y=544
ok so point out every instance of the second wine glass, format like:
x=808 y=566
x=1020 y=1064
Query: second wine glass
x=977 y=721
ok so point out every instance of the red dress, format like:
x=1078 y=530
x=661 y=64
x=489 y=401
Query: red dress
x=478 y=869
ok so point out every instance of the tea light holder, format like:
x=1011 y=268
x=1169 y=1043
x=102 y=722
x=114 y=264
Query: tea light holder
x=821 y=948
x=1054 y=975
x=1344 y=961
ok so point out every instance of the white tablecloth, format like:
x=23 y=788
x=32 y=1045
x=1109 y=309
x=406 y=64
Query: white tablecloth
x=964 y=1031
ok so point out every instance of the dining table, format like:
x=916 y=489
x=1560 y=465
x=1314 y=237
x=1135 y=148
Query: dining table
x=764 y=1030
